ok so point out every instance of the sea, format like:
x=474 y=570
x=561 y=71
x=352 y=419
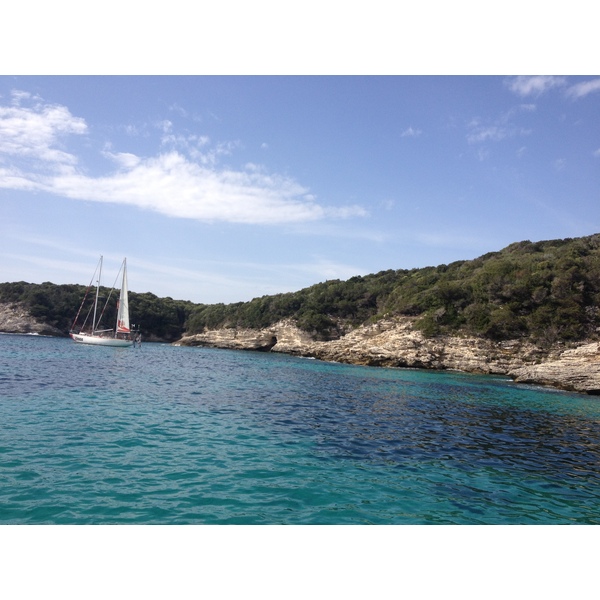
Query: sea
x=165 y=435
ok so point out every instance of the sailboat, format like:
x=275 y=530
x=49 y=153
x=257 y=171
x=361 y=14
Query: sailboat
x=122 y=334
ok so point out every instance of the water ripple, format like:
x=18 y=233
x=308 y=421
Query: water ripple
x=179 y=435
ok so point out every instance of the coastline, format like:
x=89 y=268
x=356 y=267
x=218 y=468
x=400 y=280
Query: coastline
x=390 y=343
x=394 y=343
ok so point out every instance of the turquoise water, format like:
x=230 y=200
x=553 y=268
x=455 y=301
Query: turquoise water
x=166 y=435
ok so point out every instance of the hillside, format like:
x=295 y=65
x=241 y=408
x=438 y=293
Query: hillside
x=544 y=292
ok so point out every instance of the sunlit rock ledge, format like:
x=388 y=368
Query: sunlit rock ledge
x=576 y=369
x=394 y=343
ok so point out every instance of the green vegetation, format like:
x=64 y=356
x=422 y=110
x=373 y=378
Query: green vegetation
x=547 y=291
x=57 y=305
x=325 y=309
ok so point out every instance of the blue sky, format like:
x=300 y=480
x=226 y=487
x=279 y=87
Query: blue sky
x=225 y=188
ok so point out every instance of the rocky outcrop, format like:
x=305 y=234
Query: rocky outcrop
x=16 y=319
x=394 y=343
x=576 y=369
x=282 y=337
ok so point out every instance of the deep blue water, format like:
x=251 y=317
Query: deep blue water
x=166 y=435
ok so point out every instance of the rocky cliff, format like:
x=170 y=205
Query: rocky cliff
x=16 y=319
x=575 y=369
x=394 y=343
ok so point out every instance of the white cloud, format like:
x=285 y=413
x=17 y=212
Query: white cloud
x=540 y=84
x=559 y=164
x=494 y=133
x=184 y=181
x=36 y=133
x=534 y=85
x=131 y=130
x=172 y=185
x=483 y=154
x=19 y=95
x=597 y=153
x=579 y=90
x=410 y=132
x=528 y=107
x=123 y=159
x=166 y=126
x=345 y=212
x=179 y=110
x=502 y=127
x=489 y=133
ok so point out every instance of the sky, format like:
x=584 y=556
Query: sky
x=226 y=188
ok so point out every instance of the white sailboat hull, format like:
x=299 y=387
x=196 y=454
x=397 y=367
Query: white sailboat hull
x=95 y=340
x=122 y=335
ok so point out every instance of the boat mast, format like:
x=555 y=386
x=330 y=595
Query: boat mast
x=97 y=292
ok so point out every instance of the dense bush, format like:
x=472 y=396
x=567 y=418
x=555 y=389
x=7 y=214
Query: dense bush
x=547 y=290
x=164 y=318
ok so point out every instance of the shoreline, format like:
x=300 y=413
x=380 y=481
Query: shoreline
x=391 y=342
x=394 y=343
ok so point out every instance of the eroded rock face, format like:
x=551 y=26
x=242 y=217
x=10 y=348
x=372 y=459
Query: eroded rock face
x=281 y=337
x=576 y=369
x=394 y=343
x=16 y=319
